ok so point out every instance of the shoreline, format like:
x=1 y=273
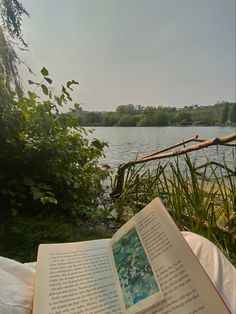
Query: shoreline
x=160 y=126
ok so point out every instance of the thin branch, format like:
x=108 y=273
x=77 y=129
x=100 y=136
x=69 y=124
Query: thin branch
x=195 y=138
x=201 y=145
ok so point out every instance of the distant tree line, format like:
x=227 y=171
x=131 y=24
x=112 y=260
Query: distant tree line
x=137 y=115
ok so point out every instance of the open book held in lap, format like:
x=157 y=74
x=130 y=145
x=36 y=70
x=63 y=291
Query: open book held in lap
x=147 y=267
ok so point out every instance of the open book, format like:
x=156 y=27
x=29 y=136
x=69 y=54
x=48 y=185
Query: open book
x=147 y=267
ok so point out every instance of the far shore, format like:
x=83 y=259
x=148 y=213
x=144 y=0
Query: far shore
x=161 y=126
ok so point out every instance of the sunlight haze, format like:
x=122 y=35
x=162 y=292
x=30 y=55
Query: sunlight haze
x=170 y=53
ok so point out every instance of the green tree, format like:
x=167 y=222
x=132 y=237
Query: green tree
x=110 y=119
x=149 y=110
x=161 y=118
x=8 y=65
x=92 y=119
x=126 y=109
x=225 y=113
x=11 y=12
x=233 y=113
x=144 y=121
x=184 y=118
x=48 y=167
x=126 y=120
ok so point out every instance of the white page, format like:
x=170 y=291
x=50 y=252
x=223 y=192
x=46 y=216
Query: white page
x=76 y=278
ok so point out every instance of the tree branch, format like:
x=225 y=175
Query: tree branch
x=224 y=140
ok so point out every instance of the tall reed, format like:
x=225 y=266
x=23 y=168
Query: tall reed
x=202 y=203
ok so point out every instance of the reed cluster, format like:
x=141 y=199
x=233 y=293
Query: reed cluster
x=201 y=202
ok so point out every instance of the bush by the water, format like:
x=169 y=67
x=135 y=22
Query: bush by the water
x=48 y=168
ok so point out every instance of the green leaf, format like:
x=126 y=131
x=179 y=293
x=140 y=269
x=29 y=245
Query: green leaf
x=26 y=114
x=66 y=93
x=44 y=89
x=69 y=83
x=58 y=100
x=13 y=211
x=44 y=71
x=48 y=80
x=31 y=95
x=48 y=199
x=37 y=194
x=28 y=181
x=98 y=144
x=31 y=82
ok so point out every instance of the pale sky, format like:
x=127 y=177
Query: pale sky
x=147 y=52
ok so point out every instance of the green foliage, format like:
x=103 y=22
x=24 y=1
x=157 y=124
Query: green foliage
x=11 y=13
x=184 y=118
x=161 y=118
x=202 y=203
x=126 y=120
x=233 y=113
x=8 y=64
x=225 y=114
x=11 y=36
x=44 y=71
x=47 y=164
x=144 y=121
x=130 y=115
x=21 y=236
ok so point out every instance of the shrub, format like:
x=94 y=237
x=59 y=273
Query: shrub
x=47 y=164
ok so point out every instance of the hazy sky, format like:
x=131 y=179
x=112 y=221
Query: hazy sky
x=148 y=52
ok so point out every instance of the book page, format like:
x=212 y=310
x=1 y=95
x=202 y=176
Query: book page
x=181 y=278
x=75 y=278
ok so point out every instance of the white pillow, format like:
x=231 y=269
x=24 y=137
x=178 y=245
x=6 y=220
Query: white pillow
x=218 y=268
x=16 y=287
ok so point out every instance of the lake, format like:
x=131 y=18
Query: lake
x=127 y=143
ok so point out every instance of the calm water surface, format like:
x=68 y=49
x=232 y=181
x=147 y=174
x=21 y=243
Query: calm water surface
x=127 y=143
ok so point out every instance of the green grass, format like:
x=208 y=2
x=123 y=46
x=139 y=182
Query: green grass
x=21 y=236
x=202 y=203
